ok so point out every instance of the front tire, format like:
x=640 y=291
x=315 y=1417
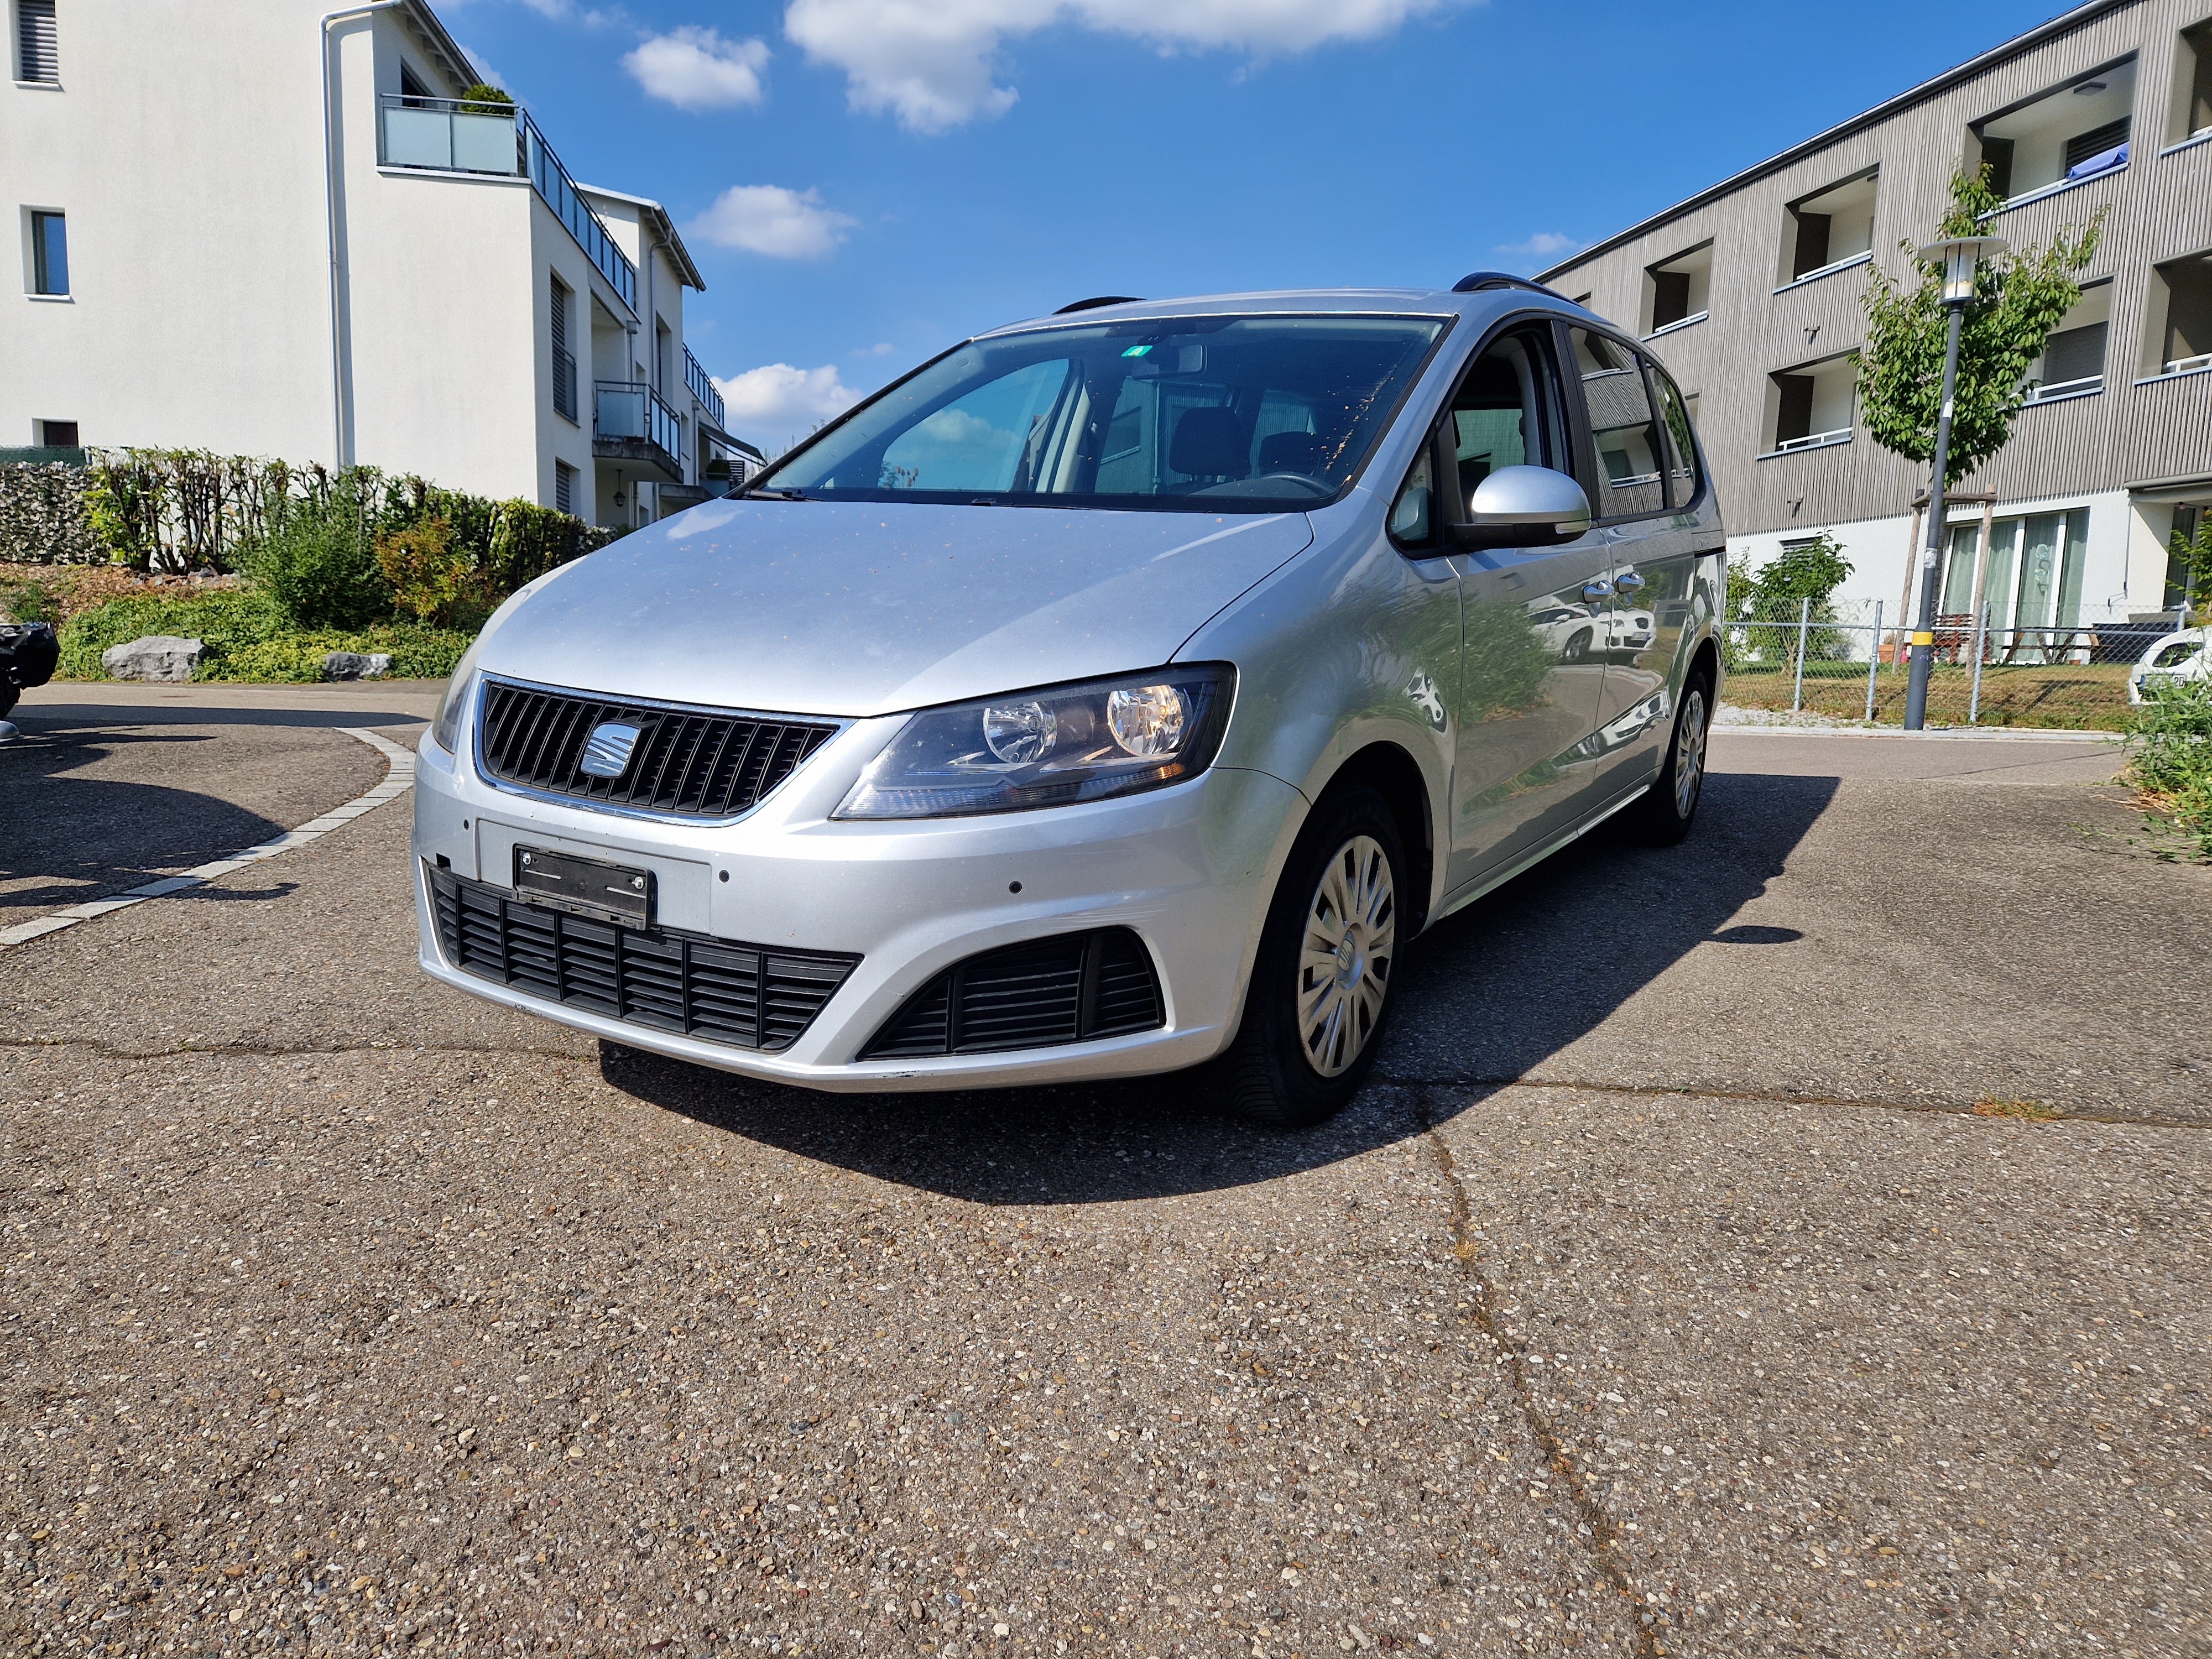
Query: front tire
x=1664 y=815
x=1319 y=995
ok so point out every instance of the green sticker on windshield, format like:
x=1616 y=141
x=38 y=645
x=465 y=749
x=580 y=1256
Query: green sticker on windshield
x=1136 y=351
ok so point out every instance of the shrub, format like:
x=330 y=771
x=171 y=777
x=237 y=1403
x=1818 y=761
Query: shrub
x=43 y=515
x=2170 y=738
x=433 y=577
x=250 y=638
x=319 y=566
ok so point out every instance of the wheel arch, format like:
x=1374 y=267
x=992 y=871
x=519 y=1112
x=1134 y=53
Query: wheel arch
x=1395 y=774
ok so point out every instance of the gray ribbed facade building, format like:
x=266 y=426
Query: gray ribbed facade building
x=1750 y=293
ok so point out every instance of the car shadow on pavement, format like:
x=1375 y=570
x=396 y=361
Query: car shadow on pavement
x=65 y=839
x=1485 y=996
x=65 y=720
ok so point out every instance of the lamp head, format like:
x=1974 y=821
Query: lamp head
x=1957 y=257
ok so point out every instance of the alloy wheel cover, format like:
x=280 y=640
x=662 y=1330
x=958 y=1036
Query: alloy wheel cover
x=1345 y=954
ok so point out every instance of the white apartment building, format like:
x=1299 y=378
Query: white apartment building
x=265 y=227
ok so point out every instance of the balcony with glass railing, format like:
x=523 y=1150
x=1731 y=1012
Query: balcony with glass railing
x=703 y=387
x=631 y=422
x=451 y=134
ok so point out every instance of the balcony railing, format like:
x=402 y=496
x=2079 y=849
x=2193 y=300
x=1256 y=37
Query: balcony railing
x=2056 y=390
x=626 y=413
x=569 y=206
x=702 y=387
x=2187 y=365
x=450 y=136
x=1813 y=440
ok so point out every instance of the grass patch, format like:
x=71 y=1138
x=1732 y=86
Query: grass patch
x=2084 y=697
x=2028 y=1111
x=249 y=638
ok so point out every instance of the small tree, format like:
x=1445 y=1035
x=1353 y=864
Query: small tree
x=2194 y=554
x=2018 y=298
x=483 y=92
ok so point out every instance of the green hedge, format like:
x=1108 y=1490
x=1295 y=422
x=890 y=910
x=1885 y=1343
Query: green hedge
x=248 y=638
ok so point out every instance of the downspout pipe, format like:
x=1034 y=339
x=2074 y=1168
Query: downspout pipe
x=339 y=436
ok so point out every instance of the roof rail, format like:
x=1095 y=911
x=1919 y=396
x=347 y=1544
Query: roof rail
x=1476 y=281
x=1093 y=303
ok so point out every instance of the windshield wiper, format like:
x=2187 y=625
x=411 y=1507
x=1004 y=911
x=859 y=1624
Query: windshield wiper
x=774 y=495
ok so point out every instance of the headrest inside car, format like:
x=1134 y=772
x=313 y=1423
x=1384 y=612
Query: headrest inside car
x=1209 y=443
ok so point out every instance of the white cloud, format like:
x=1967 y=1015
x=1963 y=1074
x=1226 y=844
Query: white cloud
x=881 y=348
x=783 y=224
x=933 y=63
x=776 y=403
x=1542 y=249
x=696 y=69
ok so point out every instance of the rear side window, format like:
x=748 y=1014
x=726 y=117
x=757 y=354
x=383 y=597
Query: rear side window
x=1623 y=432
x=1682 y=480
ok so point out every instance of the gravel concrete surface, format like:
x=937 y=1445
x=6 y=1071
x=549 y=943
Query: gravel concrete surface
x=347 y=1314
x=111 y=785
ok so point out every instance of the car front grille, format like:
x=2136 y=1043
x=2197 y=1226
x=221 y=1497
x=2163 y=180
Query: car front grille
x=748 y=996
x=1071 y=988
x=688 y=763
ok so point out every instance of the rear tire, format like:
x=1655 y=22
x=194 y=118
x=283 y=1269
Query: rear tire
x=1319 y=999
x=1664 y=815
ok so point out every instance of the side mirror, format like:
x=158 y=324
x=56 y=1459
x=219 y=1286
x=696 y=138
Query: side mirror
x=1524 y=507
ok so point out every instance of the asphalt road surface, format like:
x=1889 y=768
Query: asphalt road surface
x=1666 y=1294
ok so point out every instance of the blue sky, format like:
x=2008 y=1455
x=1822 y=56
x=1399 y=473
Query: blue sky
x=864 y=181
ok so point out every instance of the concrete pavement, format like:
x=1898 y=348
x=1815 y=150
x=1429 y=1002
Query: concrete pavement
x=1666 y=1295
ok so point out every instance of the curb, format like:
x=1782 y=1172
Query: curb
x=1953 y=734
x=399 y=778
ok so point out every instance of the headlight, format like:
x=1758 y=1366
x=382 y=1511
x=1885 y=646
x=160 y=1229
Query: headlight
x=1048 y=748
x=446 y=731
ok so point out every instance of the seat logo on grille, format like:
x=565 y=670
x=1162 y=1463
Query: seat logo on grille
x=607 y=750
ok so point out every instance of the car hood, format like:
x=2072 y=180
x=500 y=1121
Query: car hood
x=854 y=609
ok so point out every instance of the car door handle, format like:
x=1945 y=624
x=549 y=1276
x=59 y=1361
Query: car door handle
x=1600 y=589
x=1629 y=583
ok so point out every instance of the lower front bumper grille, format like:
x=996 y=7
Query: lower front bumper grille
x=748 y=996
x=1075 y=987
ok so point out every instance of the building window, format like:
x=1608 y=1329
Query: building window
x=58 y=434
x=2031 y=579
x=564 y=487
x=2061 y=138
x=1811 y=407
x=2073 y=361
x=1676 y=289
x=38 y=54
x=2192 y=85
x=2180 y=588
x=49 y=253
x=1829 y=229
x=564 y=363
x=2181 y=316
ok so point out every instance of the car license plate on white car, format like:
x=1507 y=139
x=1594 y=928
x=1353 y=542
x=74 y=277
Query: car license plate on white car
x=588 y=887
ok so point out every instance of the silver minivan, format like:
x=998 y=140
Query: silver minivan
x=1120 y=692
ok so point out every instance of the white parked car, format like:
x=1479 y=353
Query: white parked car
x=2179 y=659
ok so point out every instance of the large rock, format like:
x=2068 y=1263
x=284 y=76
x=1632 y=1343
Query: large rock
x=156 y=656
x=356 y=664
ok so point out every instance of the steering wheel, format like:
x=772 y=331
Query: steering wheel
x=1318 y=486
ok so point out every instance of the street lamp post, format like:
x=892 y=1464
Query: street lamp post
x=1958 y=257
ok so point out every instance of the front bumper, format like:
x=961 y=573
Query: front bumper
x=1190 y=869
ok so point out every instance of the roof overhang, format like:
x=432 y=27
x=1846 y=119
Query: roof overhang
x=2065 y=24
x=656 y=220
x=429 y=33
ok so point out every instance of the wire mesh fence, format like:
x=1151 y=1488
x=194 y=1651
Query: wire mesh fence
x=1851 y=663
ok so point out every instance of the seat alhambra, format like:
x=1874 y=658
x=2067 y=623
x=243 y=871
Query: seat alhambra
x=1118 y=693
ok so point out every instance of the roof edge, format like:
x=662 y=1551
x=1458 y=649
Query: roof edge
x=656 y=217
x=424 y=19
x=2064 y=23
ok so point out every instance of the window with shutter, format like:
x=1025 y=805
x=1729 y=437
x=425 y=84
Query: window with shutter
x=564 y=365
x=37 y=58
x=564 y=487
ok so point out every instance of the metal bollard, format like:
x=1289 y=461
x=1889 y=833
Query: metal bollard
x=1874 y=657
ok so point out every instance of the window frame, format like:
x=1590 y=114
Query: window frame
x=1586 y=435
x=35 y=261
x=1439 y=444
x=19 y=44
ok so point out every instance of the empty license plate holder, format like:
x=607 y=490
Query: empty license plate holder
x=597 y=888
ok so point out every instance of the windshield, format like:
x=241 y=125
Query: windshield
x=1267 y=414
